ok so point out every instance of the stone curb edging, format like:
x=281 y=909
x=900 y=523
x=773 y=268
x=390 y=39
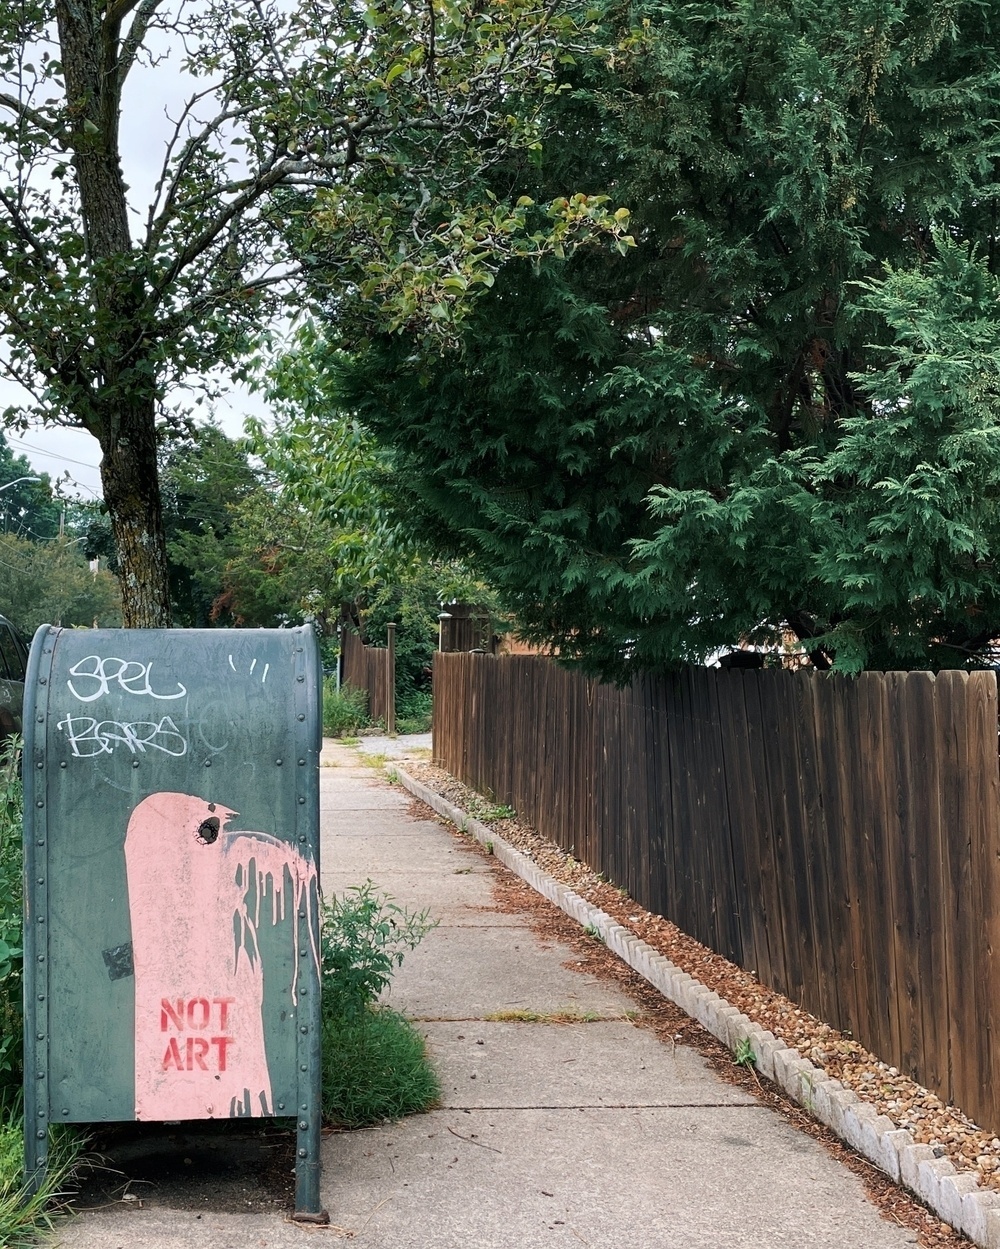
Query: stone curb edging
x=955 y=1197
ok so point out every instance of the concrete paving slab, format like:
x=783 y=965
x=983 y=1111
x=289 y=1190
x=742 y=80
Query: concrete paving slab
x=417 y=856
x=527 y=1065
x=735 y=1176
x=457 y=973
x=378 y=822
x=357 y=793
x=126 y=1226
x=454 y=901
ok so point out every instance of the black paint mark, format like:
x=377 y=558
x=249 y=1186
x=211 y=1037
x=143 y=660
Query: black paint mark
x=208 y=830
x=119 y=961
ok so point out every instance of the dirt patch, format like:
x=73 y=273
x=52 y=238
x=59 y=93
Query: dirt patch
x=211 y=1167
x=665 y=1018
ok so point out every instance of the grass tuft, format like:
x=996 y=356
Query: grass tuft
x=24 y=1220
x=375 y=1067
x=345 y=711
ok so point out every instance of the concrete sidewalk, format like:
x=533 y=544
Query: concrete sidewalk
x=550 y=1134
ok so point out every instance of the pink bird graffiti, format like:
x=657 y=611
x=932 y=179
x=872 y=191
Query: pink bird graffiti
x=197 y=897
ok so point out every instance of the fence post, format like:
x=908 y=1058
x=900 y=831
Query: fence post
x=340 y=652
x=390 y=698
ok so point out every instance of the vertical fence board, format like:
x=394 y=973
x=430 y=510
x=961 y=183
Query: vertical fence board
x=828 y=729
x=759 y=796
x=984 y=826
x=876 y=872
x=957 y=929
x=737 y=785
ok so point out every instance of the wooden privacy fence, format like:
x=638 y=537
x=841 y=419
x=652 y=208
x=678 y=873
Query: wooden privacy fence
x=840 y=838
x=465 y=627
x=372 y=669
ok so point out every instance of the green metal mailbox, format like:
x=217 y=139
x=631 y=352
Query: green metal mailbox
x=172 y=966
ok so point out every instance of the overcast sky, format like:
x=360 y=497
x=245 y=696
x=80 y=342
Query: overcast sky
x=150 y=95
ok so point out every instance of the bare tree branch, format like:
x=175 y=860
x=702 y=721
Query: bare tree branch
x=26 y=113
x=136 y=32
x=157 y=223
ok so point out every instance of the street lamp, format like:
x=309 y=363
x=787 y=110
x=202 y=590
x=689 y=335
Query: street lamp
x=7 y=486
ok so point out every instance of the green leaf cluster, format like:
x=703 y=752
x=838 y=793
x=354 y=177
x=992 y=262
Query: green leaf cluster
x=364 y=939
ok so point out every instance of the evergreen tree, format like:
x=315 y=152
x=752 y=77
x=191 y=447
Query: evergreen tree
x=779 y=411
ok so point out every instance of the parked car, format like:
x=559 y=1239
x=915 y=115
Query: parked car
x=13 y=661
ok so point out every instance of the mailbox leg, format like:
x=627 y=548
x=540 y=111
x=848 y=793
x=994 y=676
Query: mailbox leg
x=309 y=1120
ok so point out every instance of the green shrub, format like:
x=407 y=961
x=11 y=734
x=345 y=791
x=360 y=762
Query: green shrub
x=375 y=1064
x=413 y=712
x=345 y=711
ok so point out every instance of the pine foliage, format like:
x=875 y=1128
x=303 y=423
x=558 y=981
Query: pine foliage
x=779 y=411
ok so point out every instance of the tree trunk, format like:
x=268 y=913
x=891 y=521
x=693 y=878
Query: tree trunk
x=117 y=411
x=132 y=494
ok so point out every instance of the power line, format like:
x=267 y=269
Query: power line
x=52 y=455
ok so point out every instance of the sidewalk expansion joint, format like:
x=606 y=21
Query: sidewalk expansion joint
x=955 y=1197
x=616 y=1106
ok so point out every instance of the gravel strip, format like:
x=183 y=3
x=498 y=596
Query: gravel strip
x=949 y=1134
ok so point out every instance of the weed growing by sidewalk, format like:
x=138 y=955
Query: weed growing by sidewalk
x=24 y=1220
x=345 y=711
x=375 y=1063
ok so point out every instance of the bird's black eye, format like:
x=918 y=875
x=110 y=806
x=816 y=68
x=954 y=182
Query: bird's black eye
x=208 y=830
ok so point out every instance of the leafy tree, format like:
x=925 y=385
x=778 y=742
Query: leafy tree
x=52 y=583
x=204 y=479
x=778 y=412
x=28 y=507
x=357 y=129
x=283 y=565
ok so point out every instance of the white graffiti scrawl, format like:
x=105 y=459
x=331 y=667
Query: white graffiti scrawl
x=90 y=737
x=96 y=676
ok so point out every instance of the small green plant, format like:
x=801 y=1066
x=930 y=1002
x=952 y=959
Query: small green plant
x=24 y=1219
x=483 y=809
x=365 y=937
x=375 y=1064
x=745 y=1055
x=345 y=711
x=489 y=847
x=556 y=1016
x=375 y=1068
x=592 y=930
